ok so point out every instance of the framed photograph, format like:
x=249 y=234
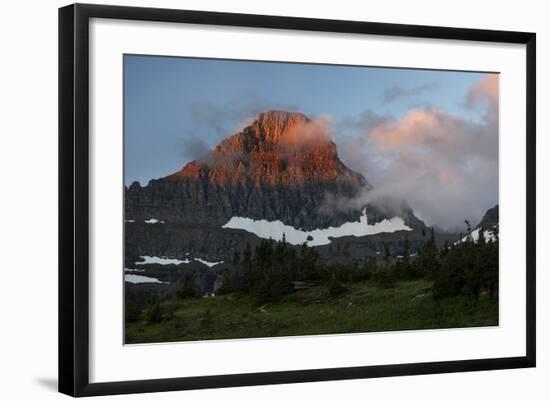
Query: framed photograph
x=250 y=199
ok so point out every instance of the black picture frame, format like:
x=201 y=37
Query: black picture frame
x=74 y=198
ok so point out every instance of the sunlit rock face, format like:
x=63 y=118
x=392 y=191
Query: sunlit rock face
x=277 y=149
x=282 y=166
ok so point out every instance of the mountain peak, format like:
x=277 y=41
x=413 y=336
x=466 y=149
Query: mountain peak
x=280 y=117
x=273 y=128
x=281 y=166
x=276 y=148
x=275 y=123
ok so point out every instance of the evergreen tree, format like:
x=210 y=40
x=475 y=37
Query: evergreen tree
x=346 y=250
x=248 y=272
x=386 y=253
x=491 y=267
x=468 y=268
x=445 y=249
x=271 y=284
x=481 y=237
x=236 y=260
x=406 y=251
x=237 y=275
x=468 y=230
x=280 y=256
x=131 y=311
x=227 y=282
x=187 y=288
x=293 y=264
x=428 y=258
x=309 y=261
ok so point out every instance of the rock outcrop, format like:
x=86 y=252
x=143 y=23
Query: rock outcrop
x=490 y=219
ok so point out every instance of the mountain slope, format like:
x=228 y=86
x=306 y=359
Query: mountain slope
x=277 y=149
x=488 y=225
x=490 y=219
x=283 y=166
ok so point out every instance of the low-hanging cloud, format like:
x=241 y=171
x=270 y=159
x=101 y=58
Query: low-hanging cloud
x=443 y=165
x=299 y=134
x=318 y=129
x=212 y=121
x=192 y=148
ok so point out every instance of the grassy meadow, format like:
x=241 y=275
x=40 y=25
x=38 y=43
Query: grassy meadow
x=363 y=307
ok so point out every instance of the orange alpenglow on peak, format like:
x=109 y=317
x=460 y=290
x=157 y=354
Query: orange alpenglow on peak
x=277 y=148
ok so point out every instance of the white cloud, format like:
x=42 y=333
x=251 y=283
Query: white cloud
x=445 y=166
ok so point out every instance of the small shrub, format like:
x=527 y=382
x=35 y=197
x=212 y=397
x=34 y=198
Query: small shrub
x=271 y=289
x=335 y=288
x=131 y=311
x=187 y=288
x=206 y=321
x=154 y=314
x=180 y=322
x=385 y=279
x=361 y=274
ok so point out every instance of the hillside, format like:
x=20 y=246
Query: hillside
x=366 y=307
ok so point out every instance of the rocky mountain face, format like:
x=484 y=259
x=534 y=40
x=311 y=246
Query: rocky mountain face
x=283 y=166
x=490 y=219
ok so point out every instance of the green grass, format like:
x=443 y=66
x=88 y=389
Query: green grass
x=364 y=308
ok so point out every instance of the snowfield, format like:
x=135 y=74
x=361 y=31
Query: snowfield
x=148 y=260
x=475 y=235
x=153 y=221
x=276 y=229
x=136 y=279
x=209 y=264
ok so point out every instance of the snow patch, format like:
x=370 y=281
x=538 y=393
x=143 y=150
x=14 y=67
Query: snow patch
x=154 y=221
x=209 y=264
x=474 y=235
x=134 y=270
x=148 y=260
x=129 y=221
x=276 y=229
x=137 y=279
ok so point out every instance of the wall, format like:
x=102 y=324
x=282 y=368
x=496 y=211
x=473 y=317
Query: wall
x=28 y=220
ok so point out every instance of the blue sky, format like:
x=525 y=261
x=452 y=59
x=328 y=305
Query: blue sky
x=431 y=134
x=169 y=99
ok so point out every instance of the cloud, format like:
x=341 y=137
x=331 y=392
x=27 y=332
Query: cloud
x=395 y=92
x=318 y=129
x=487 y=89
x=299 y=133
x=212 y=123
x=192 y=148
x=485 y=93
x=443 y=165
x=215 y=119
